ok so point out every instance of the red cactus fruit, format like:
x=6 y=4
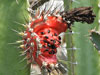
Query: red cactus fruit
x=41 y=37
x=41 y=40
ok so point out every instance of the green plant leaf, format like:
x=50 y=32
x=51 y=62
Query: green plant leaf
x=10 y=11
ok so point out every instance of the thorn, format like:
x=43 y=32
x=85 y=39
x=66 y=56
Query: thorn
x=20 y=41
x=29 y=61
x=93 y=30
x=52 y=66
x=76 y=1
x=58 y=11
x=99 y=5
x=68 y=21
x=17 y=42
x=29 y=25
x=75 y=63
x=30 y=30
x=23 y=59
x=30 y=10
x=24 y=52
x=34 y=3
x=72 y=32
x=56 y=65
x=22 y=34
x=21 y=46
x=38 y=53
x=15 y=30
x=74 y=48
x=40 y=45
x=17 y=2
x=32 y=44
x=48 y=11
x=28 y=39
x=63 y=67
x=33 y=34
x=44 y=9
x=44 y=63
x=12 y=43
x=25 y=26
x=99 y=51
x=54 y=10
x=99 y=21
x=94 y=44
x=90 y=38
x=37 y=13
x=26 y=18
x=38 y=40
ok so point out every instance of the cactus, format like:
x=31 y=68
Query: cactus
x=86 y=55
x=95 y=38
x=10 y=11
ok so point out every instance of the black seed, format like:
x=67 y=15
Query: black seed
x=55 y=34
x=54 y=41
x=49 y=45
x=60 y=42
x=45 y=41
x=27 y=45
x=47 y=50
x=52 y=52
x=53 y=46
x=42 y=33
x=49 y=70
x=48 y=31
x=25 y=39
x=46 y=37
x=51 y=40
x=28 y=51
x=44 y=46
x=59 y=38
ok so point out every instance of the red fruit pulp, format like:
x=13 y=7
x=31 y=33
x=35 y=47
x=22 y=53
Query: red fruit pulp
x=47 y=31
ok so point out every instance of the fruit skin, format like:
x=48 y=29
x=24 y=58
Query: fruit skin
x=45 y=39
